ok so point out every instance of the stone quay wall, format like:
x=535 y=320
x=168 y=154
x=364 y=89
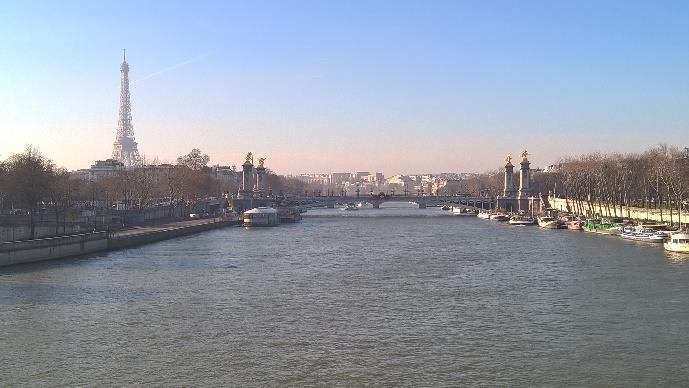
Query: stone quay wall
x=19 y=252
x=128 y=239
x=600 y=209
x=28 y=251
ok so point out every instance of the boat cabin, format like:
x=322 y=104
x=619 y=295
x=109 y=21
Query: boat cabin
x=680 y=238
x=261 y=216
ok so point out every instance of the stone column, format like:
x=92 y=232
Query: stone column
x=260 y=174
x=508 y=190
x=524 y=178
x=247 y=191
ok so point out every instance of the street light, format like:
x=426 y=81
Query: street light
x=684 y=158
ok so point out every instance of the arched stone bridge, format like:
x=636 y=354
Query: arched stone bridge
x=422 y=200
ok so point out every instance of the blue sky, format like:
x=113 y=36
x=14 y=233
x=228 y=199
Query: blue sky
x=319 y=86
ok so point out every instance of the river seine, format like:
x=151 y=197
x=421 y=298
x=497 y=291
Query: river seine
x=389 y=297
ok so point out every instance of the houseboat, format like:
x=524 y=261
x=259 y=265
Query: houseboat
x=261 y=216
x=611 y=226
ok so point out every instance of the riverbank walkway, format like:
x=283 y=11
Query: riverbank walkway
x=140 y=235
x=173 y=225
x=28 y=251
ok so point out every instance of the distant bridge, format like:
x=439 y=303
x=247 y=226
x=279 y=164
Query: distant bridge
x=376 y=199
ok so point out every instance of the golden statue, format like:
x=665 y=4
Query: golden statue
x=508 y=159
x=525 y=155
x=249 y=158
x=260 y=161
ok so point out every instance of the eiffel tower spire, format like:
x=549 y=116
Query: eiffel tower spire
x=125 y=148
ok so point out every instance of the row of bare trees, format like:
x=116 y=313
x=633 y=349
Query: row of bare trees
x=655 y=179
x=150 y=185
x=34 y=189
x=32 y=186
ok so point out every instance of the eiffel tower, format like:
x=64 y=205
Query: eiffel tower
x=124 y=148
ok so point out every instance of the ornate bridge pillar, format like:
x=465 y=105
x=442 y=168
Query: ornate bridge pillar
x=523 y=202
x=260 y=174
x=245 y=196
x=509 y=190
x=524 y=176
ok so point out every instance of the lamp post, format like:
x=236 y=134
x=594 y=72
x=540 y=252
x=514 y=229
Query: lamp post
x=682 y=176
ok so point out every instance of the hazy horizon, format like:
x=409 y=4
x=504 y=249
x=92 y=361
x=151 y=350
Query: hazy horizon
x=319 y=87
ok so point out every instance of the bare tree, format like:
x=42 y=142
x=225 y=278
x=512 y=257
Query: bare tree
x=194 y=160
x=29 y=180
x=60 y=195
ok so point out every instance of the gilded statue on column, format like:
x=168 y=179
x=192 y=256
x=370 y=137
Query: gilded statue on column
x=260 y=161
x=249 y=158
x=525 y=155
x=508 y=159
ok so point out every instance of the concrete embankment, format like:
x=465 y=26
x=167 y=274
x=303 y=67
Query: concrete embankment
x=19 y=252
x=145 y=235
x=600 y=209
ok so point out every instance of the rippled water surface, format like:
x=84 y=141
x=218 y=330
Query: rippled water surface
x=373 y=297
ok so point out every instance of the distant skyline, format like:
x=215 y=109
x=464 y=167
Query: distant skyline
x=323 y=86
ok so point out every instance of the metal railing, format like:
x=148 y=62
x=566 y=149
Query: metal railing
x=52 y=241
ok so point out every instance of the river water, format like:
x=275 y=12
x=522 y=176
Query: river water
x=389 y=297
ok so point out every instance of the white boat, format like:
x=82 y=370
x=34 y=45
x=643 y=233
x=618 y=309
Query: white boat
x=639 y=233
x=547 y=222
x=661 y=228
x=261 y=216
x=483 y=215
x=521 y=220
x=458 y=211
x=350 y=206
x=679 y=242
x=499 y=217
